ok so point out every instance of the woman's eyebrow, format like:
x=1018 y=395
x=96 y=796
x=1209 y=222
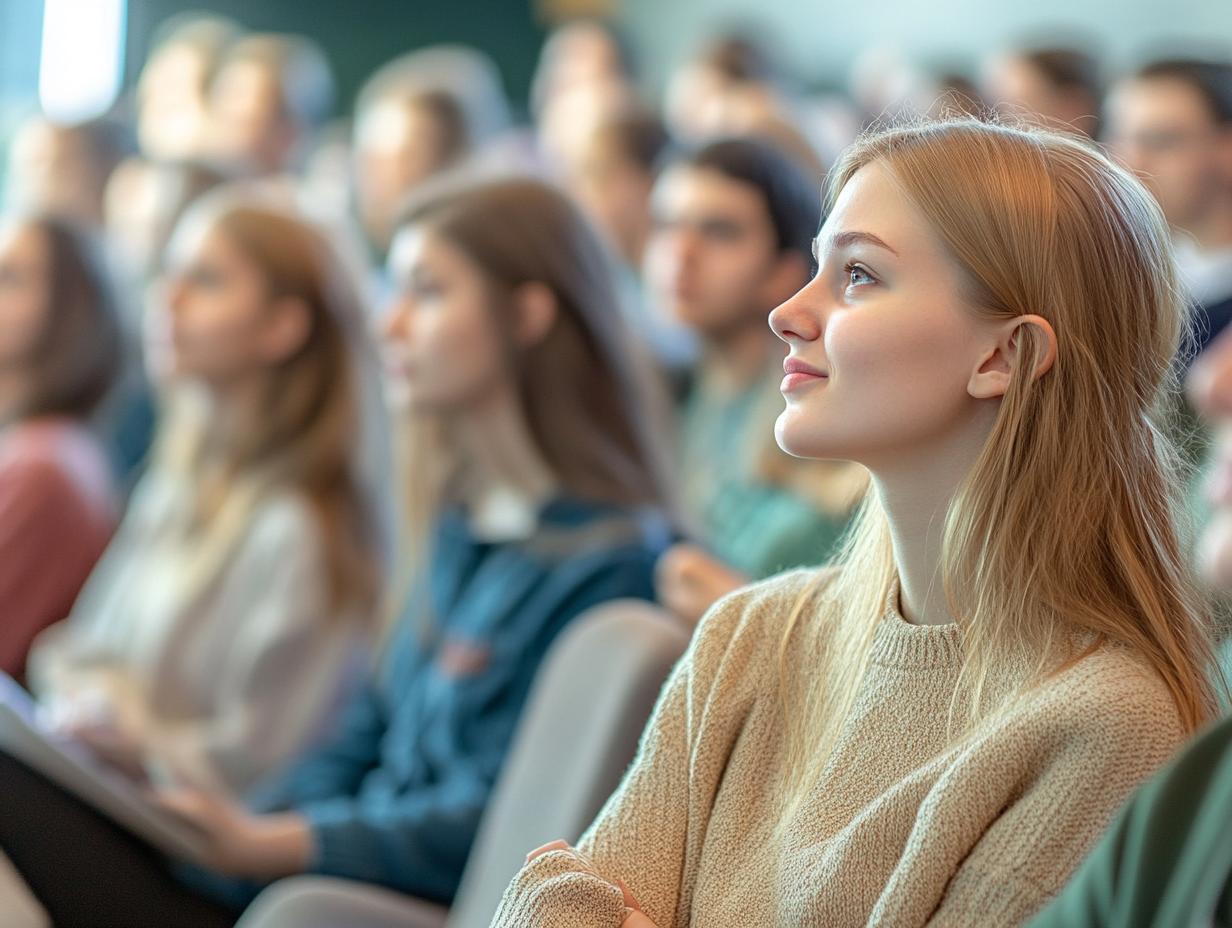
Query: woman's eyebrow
x=843 y=239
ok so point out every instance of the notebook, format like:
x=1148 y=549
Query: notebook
x=24 y=737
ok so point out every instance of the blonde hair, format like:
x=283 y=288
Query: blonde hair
x=303 y=433
x=1063 y=536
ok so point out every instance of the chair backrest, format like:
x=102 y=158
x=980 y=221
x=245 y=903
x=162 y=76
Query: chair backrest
x=579 y=731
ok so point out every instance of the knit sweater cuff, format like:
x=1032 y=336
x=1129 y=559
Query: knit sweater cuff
x=560 y=889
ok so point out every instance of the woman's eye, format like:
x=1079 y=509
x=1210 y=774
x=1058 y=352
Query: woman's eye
x=857 y=276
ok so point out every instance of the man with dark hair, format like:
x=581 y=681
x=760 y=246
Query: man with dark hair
x=1171 y=122
x=734 y=224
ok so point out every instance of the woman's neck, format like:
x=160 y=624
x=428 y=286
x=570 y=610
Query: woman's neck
x=507 y=480
x=915 y=493
x=1213 y=231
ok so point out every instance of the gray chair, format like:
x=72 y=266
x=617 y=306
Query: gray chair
x=580 y=729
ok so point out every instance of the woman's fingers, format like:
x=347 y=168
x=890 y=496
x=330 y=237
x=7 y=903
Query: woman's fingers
x=558 y=845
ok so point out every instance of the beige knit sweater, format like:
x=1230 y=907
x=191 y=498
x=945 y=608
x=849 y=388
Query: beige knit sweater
x=905 y=829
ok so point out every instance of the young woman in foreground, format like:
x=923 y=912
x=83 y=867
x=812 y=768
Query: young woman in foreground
x=936 y=729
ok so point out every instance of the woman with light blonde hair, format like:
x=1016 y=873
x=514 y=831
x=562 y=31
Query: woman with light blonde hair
x=233 y=610
x=934 y=729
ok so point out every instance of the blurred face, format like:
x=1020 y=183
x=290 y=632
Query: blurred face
x=615 y=192
x=882 y=345
x=398 y=146
x=24 y=292
x=217 y=321
x=172 y=113
x=50 y=170
x=1210 y=387
x=439 y=343
x=247 y=123
x=1162 y=130
x=1018 y=87
x=712 y=260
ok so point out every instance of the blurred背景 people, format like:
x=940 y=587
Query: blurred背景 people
x=1171 y=122
x=269 y=97
x=1059 y=88
x=228 y=619
x=60 y=354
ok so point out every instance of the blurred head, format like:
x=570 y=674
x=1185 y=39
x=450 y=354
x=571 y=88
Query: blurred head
x=733 y=223
x=580 y=53
x=144 y=201
x=1171 y=123
x=402 y=137
x=729 y=71
x=504 y=291
x=63 y=169
x=172 y=90
x=1058 y=88
x=1003 y=304
x=260 y=316
x=614 y=174
x=271 y=93
x=60 y=341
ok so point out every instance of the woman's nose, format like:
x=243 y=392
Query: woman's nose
x=794 y=320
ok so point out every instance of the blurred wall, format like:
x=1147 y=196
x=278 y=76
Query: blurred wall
x=360 y=35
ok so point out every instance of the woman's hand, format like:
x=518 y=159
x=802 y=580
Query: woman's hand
x=634 y=916
x=689 y=581
x=237 y=842
x=90 y=717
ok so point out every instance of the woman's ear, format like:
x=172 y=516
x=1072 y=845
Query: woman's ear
x=1014 y=341
x=536 y=313
x=287 y=329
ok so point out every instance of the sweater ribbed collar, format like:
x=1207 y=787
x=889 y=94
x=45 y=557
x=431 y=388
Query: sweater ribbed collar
x=898 y=643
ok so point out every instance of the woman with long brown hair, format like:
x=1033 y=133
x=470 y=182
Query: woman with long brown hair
x=934 y=729
x=230 y=614
x=60 y=354
x=532 y=493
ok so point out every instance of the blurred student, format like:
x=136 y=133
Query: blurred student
x=531 y=494
x=172 y=93
x=62 y=169
x=733 y=226
x=270 y=96
x=612 y=178
x=60 y=354
x=1171 y=123
x=229 y=617
x=405 y=133
x=935 y=730
x=1058 y=88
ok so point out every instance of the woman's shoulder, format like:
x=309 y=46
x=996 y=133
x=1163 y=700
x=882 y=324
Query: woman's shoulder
x=746 y=627
x=1111 y=696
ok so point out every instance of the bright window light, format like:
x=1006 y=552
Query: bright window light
x=82 y=57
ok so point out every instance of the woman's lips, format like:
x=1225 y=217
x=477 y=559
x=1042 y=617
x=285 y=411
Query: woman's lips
x=800 y=374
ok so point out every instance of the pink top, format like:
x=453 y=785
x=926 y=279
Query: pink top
x=57 y=512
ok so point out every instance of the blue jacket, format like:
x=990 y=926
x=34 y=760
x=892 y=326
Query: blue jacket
x=395 y=797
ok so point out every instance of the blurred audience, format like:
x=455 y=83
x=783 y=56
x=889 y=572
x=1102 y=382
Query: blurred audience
x=1171 y=122
x=1058 y=88
x=62 y=170
x=532 y=494
x=60 y=354
x=269 y=97
x=228 y=618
